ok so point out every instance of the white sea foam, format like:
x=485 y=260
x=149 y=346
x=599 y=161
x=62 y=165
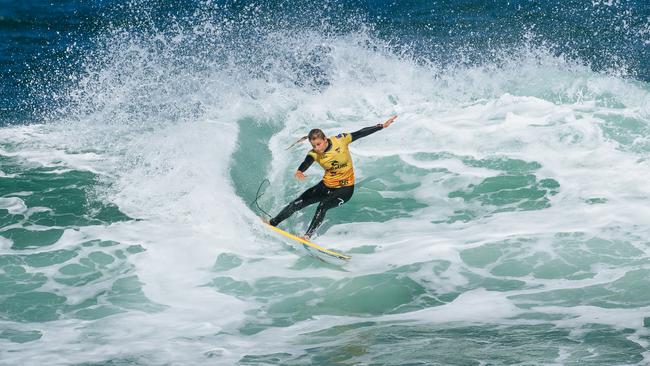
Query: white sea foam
x=13 y=205
x=174 y=175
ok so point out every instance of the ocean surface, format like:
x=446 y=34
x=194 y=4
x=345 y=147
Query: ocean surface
x=503 y=219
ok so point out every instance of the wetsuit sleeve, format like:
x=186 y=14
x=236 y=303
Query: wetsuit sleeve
x=306 y=163
x=365 y=132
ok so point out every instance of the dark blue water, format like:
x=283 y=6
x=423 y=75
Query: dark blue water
x=501 y=220
x=42 y=43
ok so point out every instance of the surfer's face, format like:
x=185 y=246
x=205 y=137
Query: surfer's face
x=319 y=145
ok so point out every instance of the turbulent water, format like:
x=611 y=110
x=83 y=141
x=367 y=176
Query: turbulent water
x=504 y=218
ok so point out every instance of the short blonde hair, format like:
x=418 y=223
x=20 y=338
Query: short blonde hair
x=316 y=134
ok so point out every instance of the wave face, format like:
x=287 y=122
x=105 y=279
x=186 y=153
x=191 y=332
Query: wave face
x=503 y=219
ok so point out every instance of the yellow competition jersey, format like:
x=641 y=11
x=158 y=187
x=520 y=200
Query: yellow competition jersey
x=337 y=162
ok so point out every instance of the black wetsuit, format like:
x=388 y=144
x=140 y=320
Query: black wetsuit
x=328 y=197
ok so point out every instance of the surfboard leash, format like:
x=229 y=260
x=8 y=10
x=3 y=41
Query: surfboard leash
x=258 y=195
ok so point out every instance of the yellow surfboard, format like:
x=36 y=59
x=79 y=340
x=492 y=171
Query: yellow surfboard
x=309 y=245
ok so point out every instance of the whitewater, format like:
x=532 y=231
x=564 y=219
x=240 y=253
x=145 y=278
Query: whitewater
x=502 y=219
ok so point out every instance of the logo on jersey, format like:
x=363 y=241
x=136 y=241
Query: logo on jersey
x=336 y=165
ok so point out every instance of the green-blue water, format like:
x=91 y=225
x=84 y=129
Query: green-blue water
x=503 y=219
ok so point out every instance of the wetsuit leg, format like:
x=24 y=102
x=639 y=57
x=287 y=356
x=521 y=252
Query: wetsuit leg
x=336 y=197
x=310 y=196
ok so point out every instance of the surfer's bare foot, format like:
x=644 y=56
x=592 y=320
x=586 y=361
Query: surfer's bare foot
x=265 y=220
x=306 y=237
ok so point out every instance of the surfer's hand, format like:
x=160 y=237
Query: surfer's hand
x=389 y=121
x=299 y=175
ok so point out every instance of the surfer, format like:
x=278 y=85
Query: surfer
x=337 y=185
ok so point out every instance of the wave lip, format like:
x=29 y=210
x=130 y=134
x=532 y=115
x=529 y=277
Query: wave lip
x=512 y=185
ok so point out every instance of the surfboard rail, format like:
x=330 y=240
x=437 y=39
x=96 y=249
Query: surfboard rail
x=309 y=244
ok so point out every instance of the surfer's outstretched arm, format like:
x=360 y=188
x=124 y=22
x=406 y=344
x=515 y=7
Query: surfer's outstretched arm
x=372 y=129
x=300 y=173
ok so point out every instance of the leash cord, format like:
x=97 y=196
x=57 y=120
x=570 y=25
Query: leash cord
x=258 y=195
